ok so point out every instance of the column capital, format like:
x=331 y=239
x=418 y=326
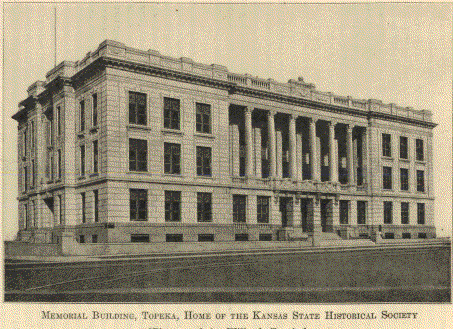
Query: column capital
x=249 y=109
x=293 y=116
x=349 y=126
x=332 y=123
x=271 y=112
x=313 y=119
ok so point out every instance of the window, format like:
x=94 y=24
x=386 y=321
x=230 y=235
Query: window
x=422 y=235
x=404 y=212
x=403 y=147
x=419 y=156
x=420 y=181
x=204 y=207
x=139 y=237
x=203 y=161
x=25 y=178
x=205 y=237
x=26 y=223
x=420 y=213
x=84 y=215
x=137 y=108
x=82 y=160
x=344 y=211
x=361 y=212
x=32 y=174
x=25 y=142
x=59 y=120
x=94 y=238
x=59 y=164
x=138 y=202
x=239 y=206
x=265 y=237
x=138 y=154
x=173 y=238
x=387 y=178
x=172 y=206
x=81 y=238
x=171 y=113
x=203 y=118
x=386 y=145
x=95 y=157
x=82 y=115
x=94 y=99
x=172 y=158
x=262 y=209
x=32 y=135
x=406 y=235
x=404 y=179
x=52 y=165
x=388 y=212
x=241 y=237
x=60 y=209
x=96 y=206
x=34 y=219
x=389 y=235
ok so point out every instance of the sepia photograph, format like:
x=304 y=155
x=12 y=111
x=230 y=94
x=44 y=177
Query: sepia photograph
x=295 y=156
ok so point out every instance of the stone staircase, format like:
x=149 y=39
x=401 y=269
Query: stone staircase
x=330 y=236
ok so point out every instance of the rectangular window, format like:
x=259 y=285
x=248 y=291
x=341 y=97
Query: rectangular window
x=32 y=173
x=204 y=207
x=386 y=145
x=262 y=209
x=25 y=142
x=25 y=178
x=138 y=154
x=33 y=213
x=239 y=208
x=94 y=238
x=81 y=238
x=404 y=212
x=172 y=206
x=95 y=157
x=137 y=108
x=172 y=158
x=420 y=181
x=26 y=223
x=344 y=211
x=388 y=212
x=52 y=168
x=265 y=237
x=241 y=237
x=387 y=178
x=84 y=215
x=403 y=147
x=420 y=213
x=171 y=113
x=404 y=179
x=139 y=237
x=422 y=235
x=205 y=237
x=60 y=209
x=59 y=164
x=420 y=154
x=138 y=202
x=203 y=161
x=59 y=120
x=82 y=115
x=203 y=118
x=361 y=212
x=389 y=235
x=94 y=99
x=173 y=238
x=82 y=160
x=32 y=135
x=406 y=235
x=96 y=206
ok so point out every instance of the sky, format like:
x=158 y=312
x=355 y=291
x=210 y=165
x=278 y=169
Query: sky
x=399 y=53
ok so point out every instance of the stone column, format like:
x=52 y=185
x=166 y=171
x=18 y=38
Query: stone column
x=248 y=143
x=314 y=164
x=350 y=155
x=333 y=163
x=316 y=213
x=292 y=147
x=271 y=144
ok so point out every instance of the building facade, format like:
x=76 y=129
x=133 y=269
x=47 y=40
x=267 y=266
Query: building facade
x=133 y=146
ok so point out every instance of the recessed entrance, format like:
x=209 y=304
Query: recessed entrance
x=286 y=208
x=326 y=216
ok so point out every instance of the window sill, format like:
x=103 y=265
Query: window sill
x=138 y=172
x=421 y=162
x=404 y=160
x=387 y=158
x=204 y=135
x=172 y=131
x=173 y=175
x=81 y=134
x=138 y=127
x=81 y=177
x=205 y=177
x=388 y=190
x=94 y=175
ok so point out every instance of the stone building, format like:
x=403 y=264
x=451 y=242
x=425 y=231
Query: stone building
x=129 y=145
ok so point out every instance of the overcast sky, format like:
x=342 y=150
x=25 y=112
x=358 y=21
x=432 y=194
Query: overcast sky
x=400 y=53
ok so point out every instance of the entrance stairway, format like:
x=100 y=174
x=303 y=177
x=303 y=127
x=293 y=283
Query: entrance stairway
x=329 y=236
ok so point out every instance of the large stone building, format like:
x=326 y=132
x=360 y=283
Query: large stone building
x=133 y=146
